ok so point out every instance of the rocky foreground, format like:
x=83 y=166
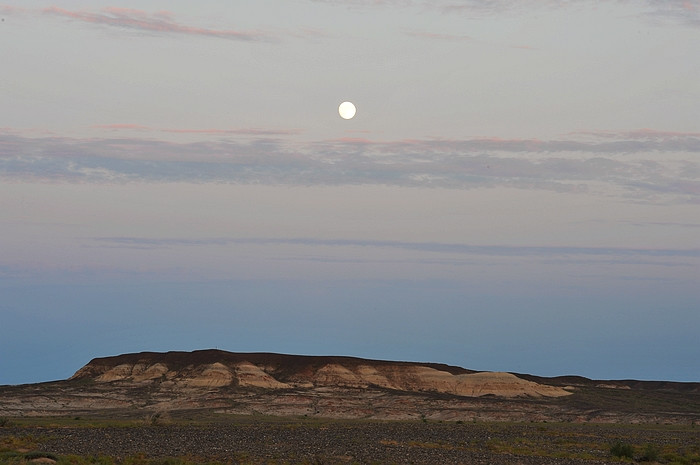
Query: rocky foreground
x=260 y=440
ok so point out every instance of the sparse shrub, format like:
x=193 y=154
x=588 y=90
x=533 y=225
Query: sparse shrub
x=5 y=422
x=681 y=458
x=17 y=442
x=159 y=418
x=621 y=450
x=650 y=453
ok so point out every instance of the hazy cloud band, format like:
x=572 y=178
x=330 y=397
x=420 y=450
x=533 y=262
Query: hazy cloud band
x=643 y=164
x=159 y=22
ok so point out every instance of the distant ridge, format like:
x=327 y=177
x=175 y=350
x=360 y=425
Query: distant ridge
x=214 y=382
x=572 y=380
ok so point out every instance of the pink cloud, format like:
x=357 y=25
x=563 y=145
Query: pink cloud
x=161 y=21
x=8 y=10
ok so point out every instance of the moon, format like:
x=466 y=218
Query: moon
x=347 y=110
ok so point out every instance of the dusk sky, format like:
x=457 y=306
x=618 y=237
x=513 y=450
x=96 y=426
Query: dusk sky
x=518 y=191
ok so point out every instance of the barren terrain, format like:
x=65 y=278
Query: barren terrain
x=266 y=440
x=187 y=408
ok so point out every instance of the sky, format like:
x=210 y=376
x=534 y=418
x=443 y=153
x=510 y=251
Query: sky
x=519 y=189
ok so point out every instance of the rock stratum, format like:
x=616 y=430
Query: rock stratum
x=214 y=381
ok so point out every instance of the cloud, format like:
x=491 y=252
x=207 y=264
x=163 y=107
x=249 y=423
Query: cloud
x=11 y=10
x=238 y=131
x=668 y=224
x=687 y=142
x=684 y=12
x=452 y=249
x=209 y=131
x=646 y=167
x=159 y=22
x=643 y=134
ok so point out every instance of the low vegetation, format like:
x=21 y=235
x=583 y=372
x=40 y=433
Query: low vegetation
x=622 y=451
x=258 y=440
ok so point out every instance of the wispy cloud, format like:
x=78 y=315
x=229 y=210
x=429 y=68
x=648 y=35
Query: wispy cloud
x=685 y=12
x=432 y=247
x=669 y=224
x=158 y=22
x=10 y=10
x=644 y=134
x=648 y=168
x=209 y=131
x=237 y=131
x=631 y=142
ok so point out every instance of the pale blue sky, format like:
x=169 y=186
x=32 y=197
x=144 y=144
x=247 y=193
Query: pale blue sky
x=519 y=190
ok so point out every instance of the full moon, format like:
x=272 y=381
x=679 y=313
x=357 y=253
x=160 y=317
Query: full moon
x=347 y=110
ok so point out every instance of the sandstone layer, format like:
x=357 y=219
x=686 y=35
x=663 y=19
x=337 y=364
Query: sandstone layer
x=199 y=370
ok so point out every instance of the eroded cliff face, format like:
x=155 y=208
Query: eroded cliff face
x=282 y=372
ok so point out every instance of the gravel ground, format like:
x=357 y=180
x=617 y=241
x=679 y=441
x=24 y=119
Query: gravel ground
x=331 y=442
